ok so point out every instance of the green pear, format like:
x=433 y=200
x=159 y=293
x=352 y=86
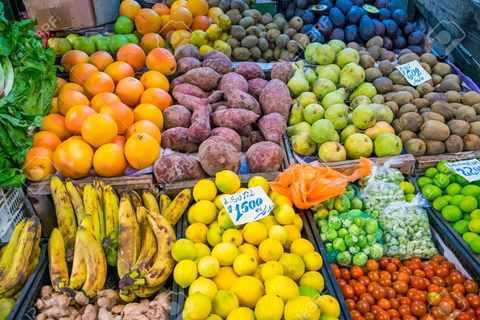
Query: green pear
x=364 y=117
x=335 y=97
x=296 y=114
x=322 y=87
x=299 y=127
x=298 y=84
x=313 y=112
x=311 y=77
x=347 y=131
x=358 y=145
x=298 y=65
x=310 y=51
x=72 y=37
x=365 y=89
x=328 y=73
x=388 y=144
x=323 y=131
x=346 y=56
x=303 y=144
x=338 y=115
x=358 y=101
x=324 y=55
x=337 y=45
x=383 y=112
x=307 y=98
x=350 y=118
x=332 y=151
x=352 y=75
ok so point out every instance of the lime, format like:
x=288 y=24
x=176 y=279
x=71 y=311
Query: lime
x=474 y=225
x=471 y=190
x=467 y=216
x=475 y=214
x=461 y=226
x=422 y=181
x=224 y=302
x=431 y=172
x=431 y=192
x=409 y=197
x=184 y=249
x=214 y=236
x=84 y=44
x=132 y=38
x=313 y=279
x=451 y=213
x=447 y=197
x=259 y=181
x=407 y=187
x=308 y=291
x=103 y=44
x=469 y=236
x=442 y=168
x=441 y=180
x=439 y=203
x=227 y=181
x=453 y=189
x=468 y=204
x=123 y=25
x=72 y=37
x=117 y=41
x=456 y=199
x=95 y=37
x=475 y=244
x=462 y=181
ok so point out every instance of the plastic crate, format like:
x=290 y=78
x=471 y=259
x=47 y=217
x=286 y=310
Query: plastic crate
x=282 y=5
x=11 y=204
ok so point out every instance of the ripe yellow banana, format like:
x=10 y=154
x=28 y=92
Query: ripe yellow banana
x=67 y=223
x=93 y=208
x=127 y=295
x=95 y=262
x=147 y=292
x=57 y=262
x=110 y=210
x=129 y=238
x=135 y=198
x=178 y=206
x=79 y=268
x=98 y=186
x=76 y=199
x=9 y=252
x=164 y=203
x=150 y=202
x=87 y=223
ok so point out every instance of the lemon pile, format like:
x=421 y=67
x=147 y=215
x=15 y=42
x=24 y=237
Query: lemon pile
x=261 y=270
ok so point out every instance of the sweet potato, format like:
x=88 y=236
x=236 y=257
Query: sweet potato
x=235 y=80
x=200 y=128
x=234 y=118
x=282 y=70
x=255 y=86
x=177 y=166
x=177 y=116
x=215 y=55
x=177 y=139
x=204 y=77
x=275 y=97
x=222 y=105
x=220 y=65
x=272 y=126
x=264 y=156
x=245 y=131
x=228 y=134
x=246 y=143
x=186 y=51
x=249 y=70
x=242 y=100
x=256 y=137
x=191 y=90
x=175 y=82
x=186 y=100
x=217 y=154
x=188 y=63
x=215 y=96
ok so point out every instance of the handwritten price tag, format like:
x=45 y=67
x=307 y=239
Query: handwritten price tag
x=247 y=206
x=469 y=169
x=414 y=73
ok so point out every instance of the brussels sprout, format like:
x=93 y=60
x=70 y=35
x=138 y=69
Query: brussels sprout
x=355 y=230
x=344 y=258
x=350 y=240
x=339 y=244
x=334 y=223
x=354 y=249
x=371 y=226
x=362 y=241
x=342 y=233
x=331 y=234
x=360 y=259
x=376 y=251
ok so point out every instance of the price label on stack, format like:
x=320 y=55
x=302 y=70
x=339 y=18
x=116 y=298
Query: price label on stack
x=469 y=169
x=414 y=73
x=250 y=205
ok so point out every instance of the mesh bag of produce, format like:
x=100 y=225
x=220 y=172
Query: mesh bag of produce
x=352 y=238
x=406 y=230
x=384 y=173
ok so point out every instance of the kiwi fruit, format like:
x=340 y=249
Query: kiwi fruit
x=241 y=54
x=383 y=84
x=453 y=77
x=362 y=52
x=353 y=45
x=238 y=32
x=225 y=5
x=422 y=137
x=407 y=135
x=424 y=88
x=246 y=22
x=432 y=116
x=282 y=41
x=407 y=108
x=412 y=90
x=424 y=110
x=295 y=23
x=443 y=108
x=238 y=4
x=386 y=67
x=438 y=97
x=454 y=144
x=378 y=98
x=421 y=103
x=255 y=14
x=235 y=16
x=276 y=53
x=429 y=59
x=249 y=41
x=396 y=126
x=415 y=147
x=292 y=46
x=367 y=62
x=398 y=78
x=268 y=55
x=256 y=52
x=408 y=57
x=287 y=55
x=447 y=85
x=476 y=107
x=466 y=113
x=471 y=142
x=233 y=43
x=453 y=96
x=253 y=31
x=262 y=44
x=435 y=130
x=374 y=52
x=434 y=147
x=402 y=97
x=302 y=40
x=470 y=98
x=271 y=26
x=266 y=18
x=458 y=127
x=393 y=106
x=375 y=41
x=371 y=74
x=397 y=87
x=436 y=79
x=426 y=67
x=475 y=128
x=404 y=52
x=389 y=96
x=387 y=55
x=442 y=69
x=281 y=22
x=272 y=34
x=411 y=121
x=457 y=106
x=290 y=32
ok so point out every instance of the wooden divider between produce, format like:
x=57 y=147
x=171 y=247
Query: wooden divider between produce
x=425 y=162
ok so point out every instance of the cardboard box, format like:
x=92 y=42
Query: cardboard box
x=71 y=14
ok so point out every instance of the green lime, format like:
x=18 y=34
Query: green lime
x=452 y=213
x=442 y=168
x=439 y=203
x=431 y=172
x=424 y=181
x=461 y=180
x=117 y=41
x=431 y=192
x=409 y=197
x=477 y=182
x=456 y=199
x=132 y=38
x=72 y=37
x=469 y=236
x=84 y=44
x=474 y=225
x=453 y=189
x=475 y=244
x=461 y=226
x=123 y=25
x=95 y=37
x=447 y=197
x=471 y=190
x=468 y=204
x=407 y=187
x=475 y=214
x=103 y=44
x=308 y=291
x=467 y=216
x=441 y=180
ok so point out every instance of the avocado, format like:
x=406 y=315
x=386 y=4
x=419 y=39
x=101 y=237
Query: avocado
x=400 y=17
x=387 y=43
x=299 y=12
x=379 y=28
x=408 y=28
x=392 y=7
x=418 y=50
x=390 y=28
x=290 y=12
x=366 y=28
x=325 y=26
x=381 y=4
x=308 y=17
x=415 y=38
x=327 y=3
x=338 y=34
x=302 y=4
x=337 y=18
x=319 y=10
x=354 y=15
x=305 y=28
x=344 y=5
x=383 y=14
x=399 y=42
x=358 y=3
x=315 y=36
x=371 y=10
x=352 y=34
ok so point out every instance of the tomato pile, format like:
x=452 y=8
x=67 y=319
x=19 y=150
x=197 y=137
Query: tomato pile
x=392 y=290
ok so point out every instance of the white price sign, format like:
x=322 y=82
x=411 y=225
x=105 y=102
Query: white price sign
x=247 y=206
x=414 y=73
x=469 y=169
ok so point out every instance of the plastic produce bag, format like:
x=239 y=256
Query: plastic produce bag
x=406 y=230
x=352 y=238
x=384 y=173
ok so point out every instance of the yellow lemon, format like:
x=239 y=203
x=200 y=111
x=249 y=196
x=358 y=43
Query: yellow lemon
x=227 y=181
x=329 y=306
x=204 y=211
x=208 y=266
x=241 y=190
x=224 y=302
x=214 y=224
x=204 y=190
x=197 y=306
x=226 y=253
x=313 y=279
x=224 y=220
x=214 y=32
x=203 y=285
x=293 y=266
x=301 y=247
x=205 y=48
x=270 y=249
x=270 y=269
x=217 y=201
x=198 y=38
x=258 y=272
x=269 y=307
x=273 y=194
x=244 y=264
x=248 y=290
x=278 y=233
x=224 y=278
x=313 y=261
x=254 y=233
x=183 y=249
x=241 y=314
x=213 y=317
x=197 y=232
x=214 y=236
x=282 y=200
x=284 y=214
x=281 y=286
x=293 y=234
x=298 y=222
x=250 y=248
x=269 y=221
x=233 y=236
x=202 y=250
x=190 y=218
x=259 y=181
x=185 y=273
x=302 y=305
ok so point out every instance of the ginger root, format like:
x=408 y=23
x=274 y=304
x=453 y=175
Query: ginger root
x=118 y=309
x=82 y=299
x=108 y=299
x=104 y=314
x=46 y=292
x=90 y=312
x=62 y=301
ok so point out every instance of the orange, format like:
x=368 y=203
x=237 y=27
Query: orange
x=214 y=12
x=147 y=21
x=155 y=79
x=129 y=9
x=99 y=129
x=133 y=55
x=178 y=3
x=129 y=90
x=161 y=60
x=103 y=99
x=55 y=123
x=119 y=70
x=151 y=41
x=109 y=160
x=167 y=27
x=145 y=126
x=101 y=59
x=81 y=71
x=98 y=82
x=70 y=87
x=68 y=99
x=197 y=7
x=120 y=113
x=141 y=150
x=147 y=111
x=161 y=9
x=60 y=83
x=158 y=97
x=54 y=108
x=181 y=18
x=73 y=158
x=120 y=141
x=46 y=139
x=179 y=38
x=201 y=23
x=76 y=116
x=73 y=57
x=38 y=164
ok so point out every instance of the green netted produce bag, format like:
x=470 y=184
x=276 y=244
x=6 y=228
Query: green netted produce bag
x=406 y=230
x=378 y=195
x=352 y=238
x=384 y=173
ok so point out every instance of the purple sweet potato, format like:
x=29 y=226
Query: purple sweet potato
x=249 y=70
x=282 y=70
x=234 y=118
x=204 y=77
x=175 y=82
x=256 y=137
x=186 y=51
x=217 y=154
x=222 y=105
x=177 y=116
x=188 y=63
x=255 y=86
x=245 y=131
x=200 y=128
x=242 y=100
x=235 y=80
x=177 y=166
x=215 y=96
x=272 y=126
x=191 y=90
x=215 y=55
x=228 y=134
x=186 y=100
x=275 y=97
x=221 y=66
x=264 y=156
x=246 y=143
x=177 y=139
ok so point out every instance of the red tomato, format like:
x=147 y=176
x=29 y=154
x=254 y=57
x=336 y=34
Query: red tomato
x=383 y=263
x=375 y=309
x=372 y=265
x=405 y=301
x=384 y=304
x=385 y=282
x=400 y=287
x=369 y=316
x=385 y=274
x=441 y=271
x=394 y=303
x=362 y=306
x=477 y=312
x=438 y=281
x=433 y=288
x=379 y=293
x=364 y=280
x=464 y=316
x=435 y=312
x=391 y=267
x=352 y=282
x=336 y=270
x=419 y=296
x=448 y=264
x=471 y=286
x=359 y=288
x=390 y=293
x=373 y=275
x=474 y=300
x=404 y=310
x=408 y=317
x=438 y=258
x=383 y=315
x=458 y=287
x=418 y=308
x=345 y=274
x=356 y=272
x=341 y=282
x=418 y=283
x=402 y=276
x=355 y=314
x=350 y=304
x=367 y=297
x=393 y=313
x=347 y=291
x=419 y=273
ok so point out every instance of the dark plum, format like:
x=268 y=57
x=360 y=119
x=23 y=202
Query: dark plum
x=381 y=4
x=299 y=12
x=387 y=43
x=337 y=18
x=352 y=34
x=415 y=38
x=383 y=14
x=290 y=12
x=315 y=36
x=399 y=42
x=379 y=28
x=354 y=15
x=372 y=2
x=392 y=7
x=408 y=28
x=358 y=3
x=343 y=5
x=338 y=34
x=308 y=17
x=418 y=50
x=325 y=26
x=367 y=28
x=305 y=28
x=390 y=28
x=302 y=4
x=400 y=17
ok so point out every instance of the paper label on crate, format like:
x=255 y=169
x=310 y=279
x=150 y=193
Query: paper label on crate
x=414 y=73
x=469 y=169
x=250 y=205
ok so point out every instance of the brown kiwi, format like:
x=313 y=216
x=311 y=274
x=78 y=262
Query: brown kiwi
x=453 y=96
x=407 y=108
x=405 y=58
x=366 y=61
x=434 y=147
x=466 y=113
x=415 y=93
x=411 y=121
x=383 y=84
x=426 y=67
x=372 y=73
x=443 y=108
x=471 y=98
x=438 y=97
x=407 y=135
x=393 y=106
x=442 y=69
x=389 y=96
x=402 y=97
x=387 y=55
x=415 y=147
x=459 y=127
x=432 y=116
x=424 y=88
x=429 y=58
x=447 y=85
x=454 y=144
x=386 y=67
x=396 y=126
x=471 y=142
x=421 y=103
x=424 y=110
x=397 y=78
x=435 y=130
x=374 y=52
x=475 y=128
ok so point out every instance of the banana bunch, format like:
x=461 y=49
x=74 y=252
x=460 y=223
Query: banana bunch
x=19 y=257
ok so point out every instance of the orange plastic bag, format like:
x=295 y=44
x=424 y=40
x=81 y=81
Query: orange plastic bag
x=307 y=185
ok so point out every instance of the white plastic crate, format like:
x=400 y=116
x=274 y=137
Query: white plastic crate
x=11 y=213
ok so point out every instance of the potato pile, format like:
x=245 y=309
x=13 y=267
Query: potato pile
x=221 y=113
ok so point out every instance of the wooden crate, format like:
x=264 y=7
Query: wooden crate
x=425 y=162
